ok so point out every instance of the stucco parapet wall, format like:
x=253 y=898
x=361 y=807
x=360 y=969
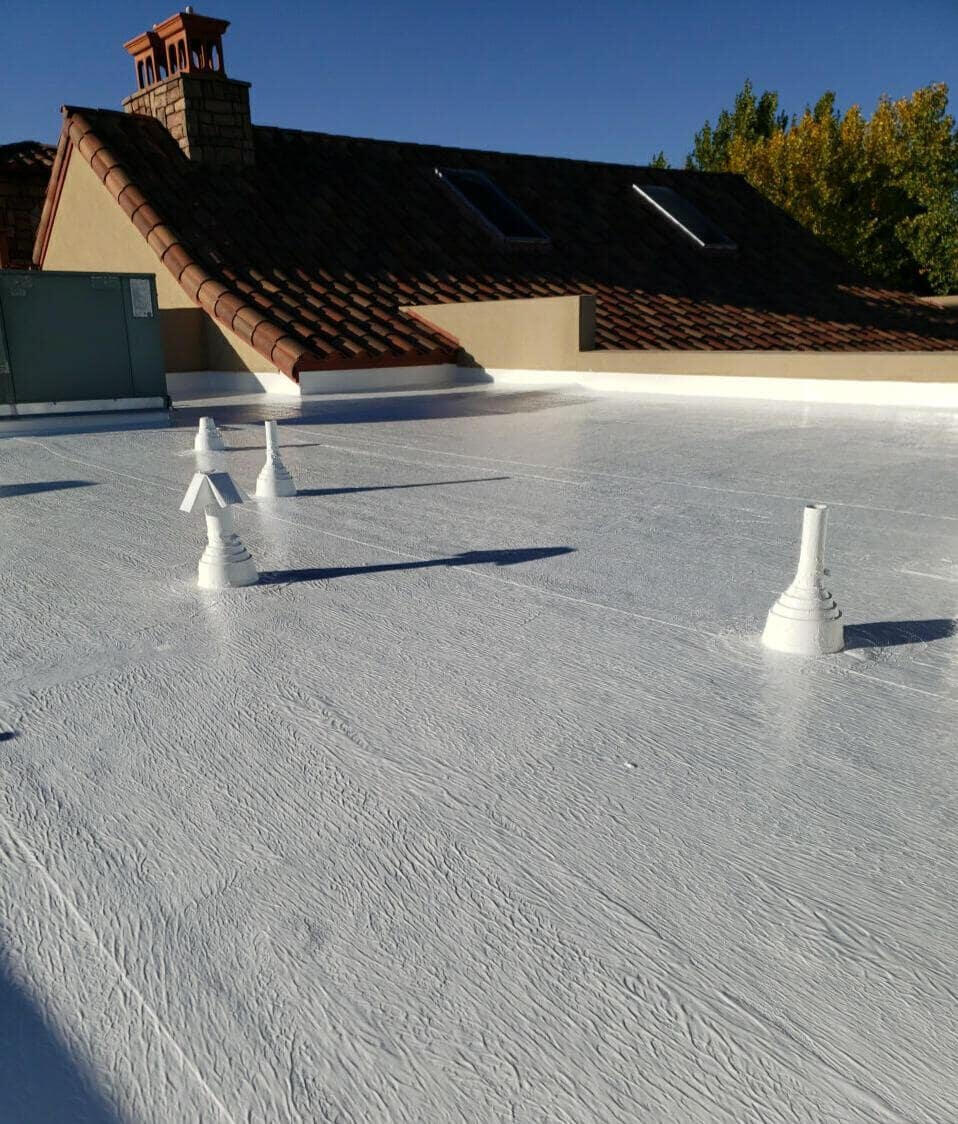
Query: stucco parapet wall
x=859 y=366
x=541 y=332
x=557 y=334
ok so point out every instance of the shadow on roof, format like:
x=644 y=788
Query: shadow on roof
x=40 y=1079
x=468 y=558
x=372 y=408
x=9 y=490
x=393 y=487
x=888 y=634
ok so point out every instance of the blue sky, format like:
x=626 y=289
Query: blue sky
x=604 y=81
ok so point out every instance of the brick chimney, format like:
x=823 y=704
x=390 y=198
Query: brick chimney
x=181 y=81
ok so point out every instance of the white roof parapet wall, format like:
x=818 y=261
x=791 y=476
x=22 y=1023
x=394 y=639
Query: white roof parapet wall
x=198 y=384
x=850 y=392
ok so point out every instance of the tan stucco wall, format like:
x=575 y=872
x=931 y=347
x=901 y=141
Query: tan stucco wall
x=555 y=334
x=545 y=333
x=91 y=232
x=899 y=366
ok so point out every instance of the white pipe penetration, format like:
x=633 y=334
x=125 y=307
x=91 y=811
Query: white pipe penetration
x=805 y=620
x=275 y=480
x=226 y=562
x=208 y=438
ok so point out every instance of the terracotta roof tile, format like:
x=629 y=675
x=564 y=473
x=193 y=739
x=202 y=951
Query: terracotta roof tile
x=24 y=173
x=326 y=238
x=209 y=293
x=227 y=307
x=192 y=279
x=246 y=321
x=130 y=198
x=145 y=218
x=176 y=258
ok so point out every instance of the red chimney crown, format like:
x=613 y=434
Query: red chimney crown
x=184 y=43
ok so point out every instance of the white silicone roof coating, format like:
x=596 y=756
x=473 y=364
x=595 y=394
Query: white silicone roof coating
x=487 y=803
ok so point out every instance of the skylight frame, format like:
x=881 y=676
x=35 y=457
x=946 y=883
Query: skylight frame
x=539 y=239
x=725 y=246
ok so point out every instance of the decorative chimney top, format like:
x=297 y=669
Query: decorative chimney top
x=185 y=43
x=181 y=81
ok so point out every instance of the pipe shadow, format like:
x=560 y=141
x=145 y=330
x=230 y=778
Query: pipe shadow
x=262 y=448
x=468 y=558
x=888 y=634
x=40 y=1080
x=9 y=490
x=372 y=407
x=7 y=735
x=392 y=487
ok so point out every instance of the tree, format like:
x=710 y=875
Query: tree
x=882 y=191
x=659 y=160
x=752 y=120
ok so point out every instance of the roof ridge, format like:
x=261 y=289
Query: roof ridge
x=319 y=133
x=9 y=145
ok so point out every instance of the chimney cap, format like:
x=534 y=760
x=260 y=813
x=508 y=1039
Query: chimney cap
x=188 y=21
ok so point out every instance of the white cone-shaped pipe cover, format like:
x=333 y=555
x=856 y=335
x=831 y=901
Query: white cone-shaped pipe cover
x=208 y=438
x=225 y=562
x=275 y=480
x=805 y=620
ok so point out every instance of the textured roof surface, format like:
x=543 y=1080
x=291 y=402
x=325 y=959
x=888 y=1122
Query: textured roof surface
x=26 y=155
x=310 y=254
x=24 y=172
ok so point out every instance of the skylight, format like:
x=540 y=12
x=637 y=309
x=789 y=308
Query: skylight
x=494 y=209
x=687 y=217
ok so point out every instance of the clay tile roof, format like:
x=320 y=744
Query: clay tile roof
x=313 y=252
x=30 y=156
x=24 y=173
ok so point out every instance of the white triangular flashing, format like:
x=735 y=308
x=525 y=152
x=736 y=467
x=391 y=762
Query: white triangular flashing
x=211 y=489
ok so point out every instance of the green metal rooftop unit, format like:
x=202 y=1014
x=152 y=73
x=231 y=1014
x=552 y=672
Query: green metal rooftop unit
x=79 y=342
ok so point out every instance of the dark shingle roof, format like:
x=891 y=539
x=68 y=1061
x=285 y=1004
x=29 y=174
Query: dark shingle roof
x=311 y=253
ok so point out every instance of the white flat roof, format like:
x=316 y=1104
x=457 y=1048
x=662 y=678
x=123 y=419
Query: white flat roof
x=486 y=804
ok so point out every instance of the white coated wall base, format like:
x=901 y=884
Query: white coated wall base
x=201 y=384
x=36 y=425
x=853 y=392
x=84 y=406
x=435 y=376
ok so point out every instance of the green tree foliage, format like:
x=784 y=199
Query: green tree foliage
x=882 y=191
x=753 y=120
x=659 y=160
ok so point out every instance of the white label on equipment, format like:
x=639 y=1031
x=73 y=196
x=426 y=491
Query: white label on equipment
x=140 y=297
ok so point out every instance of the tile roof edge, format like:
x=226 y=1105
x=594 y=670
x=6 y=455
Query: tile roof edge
x=412 y=311
x=77 y=133
x=52 y=197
